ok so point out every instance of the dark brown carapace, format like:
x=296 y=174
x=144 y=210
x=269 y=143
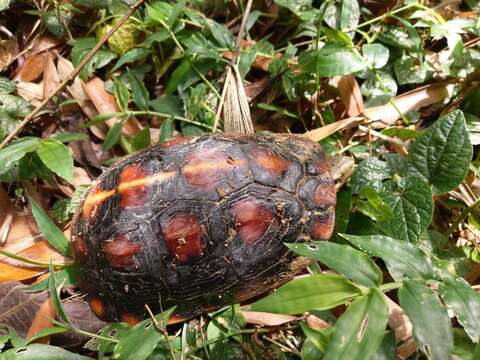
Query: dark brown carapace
x=200 y=223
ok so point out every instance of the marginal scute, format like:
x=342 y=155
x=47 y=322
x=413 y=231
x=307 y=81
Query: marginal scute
x=271 y=162
x=183 y=237
x=322 y=229
x=80 y=249
x=131 y=187
x=94 y=199
x=179 y=140
x=325 y=195
x=252 y=220
x=97 y=307
x=120 y=252
x=130 y=319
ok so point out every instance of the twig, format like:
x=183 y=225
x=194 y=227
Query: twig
x=467 y=211
x=241 y=32
x=72 y=75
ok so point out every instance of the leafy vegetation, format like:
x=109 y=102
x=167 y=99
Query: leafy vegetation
x=389 y=88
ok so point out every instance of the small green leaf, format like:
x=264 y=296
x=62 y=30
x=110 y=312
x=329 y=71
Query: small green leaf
x=66 y=137
x=17 y=150
x=345 y=260
x=54 y=291
x=142 y=139
x=465 y=303
x=443 y=153
x=67 y=276
x=411 y=200
x=370 y=172
x=131 y=56
x=319 y=338
x=402 y=258
x=113 y=135
x=168 y=104
x=359 y=331
x=140 y=94
x=47 y=332
x=166 y=130
x=320 y=291
x=331 y=60
x=138 y=343
x=46 y=226
x=57 y=157
x=122 y=94
x=350 y=14
x=376 y=55
x=431 y=325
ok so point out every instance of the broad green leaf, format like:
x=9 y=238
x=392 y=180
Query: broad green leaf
x=370 y=172
x=320 y=291
x=443 y=153
x=402 y=258
x=376 y=55
x=168 y=104
x=166 y=130
x=138 y=343
x=131 y=56
x=431 y=325
x=465 y=303
x=47 y=332
x=331 y=60
x=398 y=37
x=57 y=157
x=374 y=206
x=140 y=94
x=113 y=135
x=46 y=226
x=359 y=331
x=221 y=33
x=122 y=94
x=411 y=201
x=345 y=260
x=350 y=14
x=6 y=86
x=296 y=7
x=17 y=150
x=319 y=338
x=388 y=348
x=42 y=351
x=310 y=351
x=66 y=137
x=176 y=12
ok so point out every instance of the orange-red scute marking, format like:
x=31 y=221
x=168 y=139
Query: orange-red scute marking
x=97 y=307
x=130 y=319
x=322 y=167
x=94 y=199
x=180 y=140
x=207 y=167
x=271 y=162
x=131 y=196
x=183 y=237
x=322 y=230
x=120 y=251
x=325 y=195
x=251 y=220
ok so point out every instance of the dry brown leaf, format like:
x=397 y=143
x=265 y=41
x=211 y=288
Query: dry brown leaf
x=267 y=319
x=51 y=78
x=316 y=323
x=106 y=103
x=44 y=43
x=350 y=94
x=32 y=67
x=386 y=115
x=30 y=91
x=80 y=177
x=403 y=329
x=17 y=307
x=42 y=320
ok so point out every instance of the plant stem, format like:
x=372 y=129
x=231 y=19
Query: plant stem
x=30 y=261
x=391 y=286
x=467 y=211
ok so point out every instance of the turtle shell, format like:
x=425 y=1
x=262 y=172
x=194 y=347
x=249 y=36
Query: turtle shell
x=200 y=223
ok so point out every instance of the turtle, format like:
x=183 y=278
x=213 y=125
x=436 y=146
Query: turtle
x=200 y=223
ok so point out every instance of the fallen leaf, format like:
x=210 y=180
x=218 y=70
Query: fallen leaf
x=267 y=319
x=350 y=94
x=8 y=51
x=43 y=319
x=32 y=67
x=30 y=91
x=51 y=78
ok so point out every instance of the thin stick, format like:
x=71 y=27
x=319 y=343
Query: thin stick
x=241 y=32
x=72 y=75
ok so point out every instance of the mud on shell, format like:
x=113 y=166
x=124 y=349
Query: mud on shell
x=200 y=223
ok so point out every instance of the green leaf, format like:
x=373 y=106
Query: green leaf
x=81 y=46
x=41 y=351
x=402 y=258
x=331 y=60
x=166 y=130
x=320 y=291
x=122 y=94
x=359 y=331
x=350 y=14
x=319 y=338
x=168 y=104
x=138 y=343
x=376 y=55
x=131 y=56
x=17 y=150
x=67 y=276
x=370 y=172
x=47 y=332
x=142 y=139
x=345 y=260
x=443 y=153
x=57 y=157
x=140 y=94
x=113 y=135
x=46 y=226
x=54 y=291
x=93 y=4
x=66 y=137
x=411 y=200
x=465 y=303
x=297 y=6
x=431 y=325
